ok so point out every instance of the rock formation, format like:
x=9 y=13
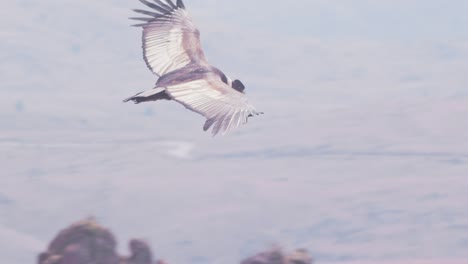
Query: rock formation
x=86 y=242
x=276 y=256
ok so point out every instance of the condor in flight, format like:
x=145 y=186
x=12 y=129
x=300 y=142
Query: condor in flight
x=172 y=51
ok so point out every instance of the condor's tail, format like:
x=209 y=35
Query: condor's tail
x=154 y=94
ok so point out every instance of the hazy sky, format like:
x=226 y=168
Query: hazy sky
x=362 y=153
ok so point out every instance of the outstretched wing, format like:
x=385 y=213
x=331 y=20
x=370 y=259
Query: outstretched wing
x=170 y=38
x=224 y=107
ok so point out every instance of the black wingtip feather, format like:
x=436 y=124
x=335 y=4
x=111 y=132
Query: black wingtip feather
x=209 y=122
x=145 y=19
x=161 y=8
x=180 y=4
x=148 y=13
x=139 y=25
x=169 y=2
x=163 y=5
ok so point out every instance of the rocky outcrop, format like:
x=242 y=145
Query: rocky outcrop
x=277 y=256
x=140 y=253
x=86 y=242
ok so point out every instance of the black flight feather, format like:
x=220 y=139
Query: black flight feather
x=171 y=4
x=155 y=7
x=148 y=13
x=180 y=4
x=163 y=5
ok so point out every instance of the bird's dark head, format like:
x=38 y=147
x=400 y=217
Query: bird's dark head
x=238 y=85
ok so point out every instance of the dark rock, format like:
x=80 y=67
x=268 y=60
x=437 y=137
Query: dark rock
x=300 y=256
x=141 y=253
x=277 y=256
x=270 y=257
x=86 y=242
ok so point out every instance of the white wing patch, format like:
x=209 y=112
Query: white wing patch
x=224 y=107
x=171 y=43
x=163 y=49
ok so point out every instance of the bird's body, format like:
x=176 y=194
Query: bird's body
x=172 y=50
